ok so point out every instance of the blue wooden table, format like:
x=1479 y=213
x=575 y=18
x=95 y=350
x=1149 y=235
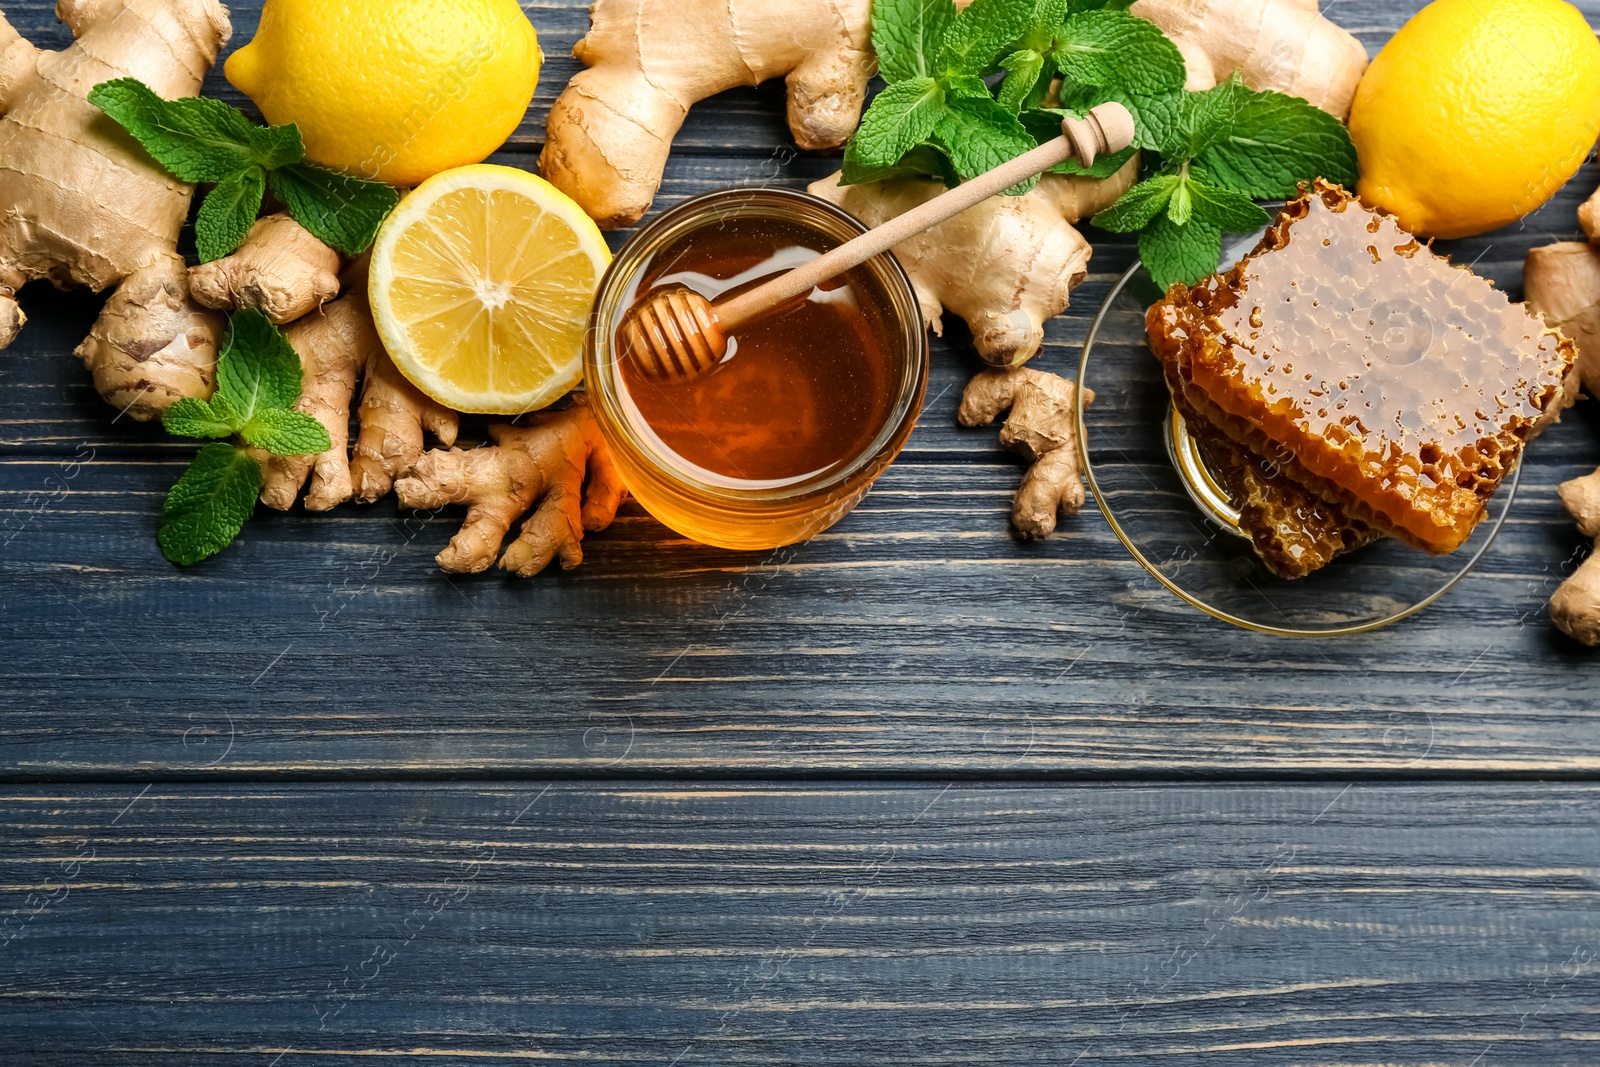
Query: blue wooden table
x=914 y=792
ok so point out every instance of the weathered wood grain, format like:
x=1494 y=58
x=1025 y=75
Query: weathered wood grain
x=757 y=924
x=916 y=637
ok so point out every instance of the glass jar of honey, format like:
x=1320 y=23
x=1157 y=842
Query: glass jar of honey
x=812 y=402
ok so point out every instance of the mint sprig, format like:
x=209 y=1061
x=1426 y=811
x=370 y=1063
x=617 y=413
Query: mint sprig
x=1213 y=154
x=206 y=141
x=945 y=113
x=258 y=383
x=970 y=91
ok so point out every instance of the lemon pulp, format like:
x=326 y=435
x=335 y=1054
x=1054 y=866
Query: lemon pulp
x=481 y=286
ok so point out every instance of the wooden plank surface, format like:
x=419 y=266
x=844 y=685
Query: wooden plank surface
x=1387 y=850
x=732 y=924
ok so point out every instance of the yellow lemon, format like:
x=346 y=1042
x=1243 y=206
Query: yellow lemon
x=397 y=91
x=1476 y=113
x=481 y=285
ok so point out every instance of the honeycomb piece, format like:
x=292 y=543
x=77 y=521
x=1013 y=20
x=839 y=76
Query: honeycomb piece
x=1380 y=377
x=1294 y=531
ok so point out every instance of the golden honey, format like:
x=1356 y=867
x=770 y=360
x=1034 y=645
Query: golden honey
x=1365 y=368
x=805 y=387
x=812 y=402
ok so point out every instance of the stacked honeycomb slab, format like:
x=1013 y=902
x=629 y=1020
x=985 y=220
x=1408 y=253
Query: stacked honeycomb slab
x=1367 y=372
x=1294 y=531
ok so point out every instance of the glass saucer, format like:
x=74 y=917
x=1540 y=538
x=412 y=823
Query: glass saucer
x=1168 y=512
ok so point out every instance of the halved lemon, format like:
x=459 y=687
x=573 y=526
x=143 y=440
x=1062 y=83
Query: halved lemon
x=481 y=285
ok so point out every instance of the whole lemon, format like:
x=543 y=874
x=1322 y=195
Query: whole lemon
x=397 y=91
x=1476 y=113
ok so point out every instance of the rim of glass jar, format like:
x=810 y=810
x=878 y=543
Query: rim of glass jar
x=600 y=362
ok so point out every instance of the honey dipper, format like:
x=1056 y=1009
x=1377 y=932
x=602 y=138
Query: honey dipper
x=677 y=334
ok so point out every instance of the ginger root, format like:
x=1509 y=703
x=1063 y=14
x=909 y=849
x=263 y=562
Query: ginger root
x=337 y=346
x=548 y=461
x=280 y=269
x=1284 y=45
x=290 y=276
x=1563 y=284
x=649 y=61
x=1575 y=608
x=1589 y=216
x=1007 y=266
x=81 y=204
x=333 y=347
x=394 y=416
x=1043 y=429
x=151 y=345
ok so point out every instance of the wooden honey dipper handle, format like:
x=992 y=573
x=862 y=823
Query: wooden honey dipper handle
x=675 y=334
x=1106 y=130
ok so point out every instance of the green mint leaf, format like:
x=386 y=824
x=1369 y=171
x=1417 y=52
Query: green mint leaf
x=287 y=433
x=924 y=161
x=906 y=35
x=197 y=418
x=1165 y=127
x=258 y=370
x=1104 y=166
x=979 y=135
x=196 y=139
x=210 y=504
x=224 y=411
x=900 y=118
x=1207 y=118
x=1225 y=209
x=1114 y=49
x=854 y=172
x=967 y=87
x=340 y=211
x=1046 y=19
x=1275 y=143
x=980 y=35
x=1023 y=70
x=1077 y=6
x=1138 y=206
x=228 y=212
x=1180 y=253
x=1043 y=123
